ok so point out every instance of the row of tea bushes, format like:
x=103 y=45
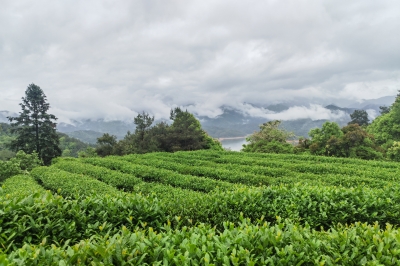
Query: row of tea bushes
x=153 y=174
x=291 y=158
x=115 y=179
x=284 y=243
x=31 y=218
x=252 y=174
x=20 y=185
x=307 y=164
x=69 y=184
x=318 y=205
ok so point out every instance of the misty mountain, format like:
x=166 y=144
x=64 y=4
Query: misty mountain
x=334 y=108
x=4 y=114
x=87 y=136
x=374 y=103
x=90 y=127
x=234 y=121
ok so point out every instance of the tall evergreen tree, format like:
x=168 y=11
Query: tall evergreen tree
x=106 y=145
x=359 y=117
x=34 y=127
x=185 y=132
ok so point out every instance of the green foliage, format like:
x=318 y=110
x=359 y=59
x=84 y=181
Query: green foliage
x=152 y=174
x=359 y=117
x=393 y=152
x=88 y=153
x=197 y=219
x=21 y=163
x=351 y=141
x=355 y=143
x=34 y=127
x=270 y=131
x=211 y=143
x=266 y=171
x=384 y=109
x=285 y=243
x=143 y=141
x=320 y=137
x=71 y=146
x=270 y=139
x=8 y=169
x=386 y=128
x=43 y=218
x=27 y=162
x=201 y=170
x=185 y=132
x=5 y=139
x=20 y=186
x=268 y=147
x=113 y=178
x=297 y=168
x=68 y=184
x=106 y=145
x=307 y=200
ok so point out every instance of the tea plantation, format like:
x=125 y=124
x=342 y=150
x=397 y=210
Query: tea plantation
x=203 y=208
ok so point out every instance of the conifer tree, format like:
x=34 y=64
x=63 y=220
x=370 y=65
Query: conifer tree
x=34 y=127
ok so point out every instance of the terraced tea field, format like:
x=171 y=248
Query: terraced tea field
x=203 y=208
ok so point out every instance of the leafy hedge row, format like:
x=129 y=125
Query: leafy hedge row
x=292 y=158
x=313 y=165
x=316 y=205
x=284 y=243
x=20 y=185
x=70 y=185
x=30 y=219
x=113 y=178
x=216 y=173
x=152 y=174
x=261 y=174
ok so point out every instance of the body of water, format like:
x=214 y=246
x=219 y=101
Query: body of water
x=233 y=144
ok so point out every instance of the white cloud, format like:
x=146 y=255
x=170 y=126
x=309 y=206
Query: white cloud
x=112 y=59
x=314 y=112
x=372 y=114
x=370 y=90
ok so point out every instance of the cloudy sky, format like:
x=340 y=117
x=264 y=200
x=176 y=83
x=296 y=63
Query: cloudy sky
x=112 y=59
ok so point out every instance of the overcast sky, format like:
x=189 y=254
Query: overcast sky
x=112 y=59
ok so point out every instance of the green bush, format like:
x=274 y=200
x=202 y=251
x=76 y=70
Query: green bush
x=113 y=178
x=41 y=216
x=393 y=152
x=265 y=146
x=285 y=243
x=21 y=163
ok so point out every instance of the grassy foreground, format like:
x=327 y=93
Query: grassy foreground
x=203 y=208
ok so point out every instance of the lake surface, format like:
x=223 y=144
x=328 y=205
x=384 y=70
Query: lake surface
x=233 y=144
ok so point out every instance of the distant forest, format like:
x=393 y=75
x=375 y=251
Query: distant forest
x=34 y=130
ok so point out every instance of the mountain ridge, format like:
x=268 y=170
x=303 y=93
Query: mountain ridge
x=233 y=122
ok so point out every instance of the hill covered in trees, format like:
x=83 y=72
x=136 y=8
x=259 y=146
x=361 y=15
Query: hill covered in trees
x=69 y=146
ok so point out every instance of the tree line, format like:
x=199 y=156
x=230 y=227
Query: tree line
x=377 y=140
x=34 y=131
x=184 y=134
